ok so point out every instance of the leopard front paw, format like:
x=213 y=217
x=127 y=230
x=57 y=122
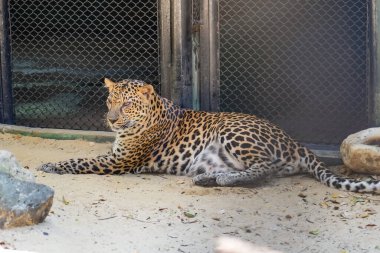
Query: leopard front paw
x=50 y=168
x=205 y=179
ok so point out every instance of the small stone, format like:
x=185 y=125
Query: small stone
x=248 y=230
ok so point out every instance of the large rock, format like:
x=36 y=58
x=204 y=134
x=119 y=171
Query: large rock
x=361 y=152
x=21 y=202
x=9 y=165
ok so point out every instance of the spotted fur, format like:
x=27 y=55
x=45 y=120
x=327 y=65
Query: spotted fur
x=225 y=149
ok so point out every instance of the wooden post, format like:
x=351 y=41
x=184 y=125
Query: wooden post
x=209 y=56
x=175 y=43
x=181 y=54
x=6 y=96
x=374 y=52
x=196 y=26
x=164 y=23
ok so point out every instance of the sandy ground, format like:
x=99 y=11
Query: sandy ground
x=163 y=213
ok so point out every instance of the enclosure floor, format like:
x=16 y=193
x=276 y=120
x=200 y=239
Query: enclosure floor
x=162 y=213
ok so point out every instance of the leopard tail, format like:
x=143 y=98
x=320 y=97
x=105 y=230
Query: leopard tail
x=311 y=164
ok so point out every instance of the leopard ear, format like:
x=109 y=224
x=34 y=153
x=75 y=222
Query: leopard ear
x=109 y=84
x=147 y=91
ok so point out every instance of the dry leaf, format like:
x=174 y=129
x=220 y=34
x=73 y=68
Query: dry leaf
x=324 y=204
x=334 y=201
x=370 y=211
x=314 y=232
x=302 y=195
x=355 y=200
x=362 y=215
x=16 y=137
x=189 y=215
x=65 y=201
x=338 y=195
x=180 y=181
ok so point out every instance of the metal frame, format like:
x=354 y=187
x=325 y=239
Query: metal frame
x=6 y=96
x=177 y=61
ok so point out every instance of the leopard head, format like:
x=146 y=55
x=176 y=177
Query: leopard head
x=129 y=103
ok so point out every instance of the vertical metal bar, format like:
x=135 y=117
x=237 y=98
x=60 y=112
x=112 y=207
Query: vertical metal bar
x=7 y=115
x=164 y=24
x=209 y=51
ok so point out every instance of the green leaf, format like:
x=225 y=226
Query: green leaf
x=66 y=202
x=314 y=232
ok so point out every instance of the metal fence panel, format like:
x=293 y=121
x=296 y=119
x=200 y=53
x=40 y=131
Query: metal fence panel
x=301 y=64
x=61 y=49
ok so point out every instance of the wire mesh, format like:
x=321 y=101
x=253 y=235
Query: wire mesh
x=61 y=49
x=300 y=64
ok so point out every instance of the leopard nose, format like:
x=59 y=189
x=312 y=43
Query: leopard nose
x=112 y=116
x=112 y=120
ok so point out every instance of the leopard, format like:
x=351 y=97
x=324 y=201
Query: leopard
x=154 y=135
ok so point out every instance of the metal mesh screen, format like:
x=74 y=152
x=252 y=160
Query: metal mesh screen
x=61 y=49
x=300 y=64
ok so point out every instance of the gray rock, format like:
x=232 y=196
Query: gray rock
x=9 y=165
x=21 y=202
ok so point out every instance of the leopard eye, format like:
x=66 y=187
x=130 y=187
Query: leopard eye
x=127 y=104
